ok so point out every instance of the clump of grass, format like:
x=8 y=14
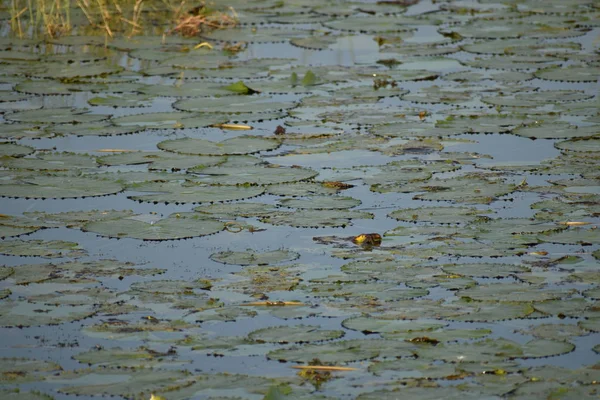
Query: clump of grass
x=203 y=18
x=53 y=18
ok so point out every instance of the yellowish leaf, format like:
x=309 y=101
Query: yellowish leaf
x=233 y=127
x=203 y=44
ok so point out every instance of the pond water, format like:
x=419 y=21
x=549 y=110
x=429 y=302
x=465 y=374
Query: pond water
x=408 y=193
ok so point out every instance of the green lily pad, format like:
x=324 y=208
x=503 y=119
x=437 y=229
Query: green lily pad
x=294 y=334
x=190 y=192
x=23 y=314
x=375 y=24
x=16 y=394
x=78 y=271
x=555 y=331
x=514 y=292
x=124 y=100
x=493 y=311
x=440 y=215
x=465 y=189
x=341 y=352
x=235 y=210
x=251 y=175
x=316 y=218
x=238 y=145
x=415 y=369
x=160 y=160
x=384 y=325
x=321 y=203
x=556 y=130
x=55 y=116
x=123 y=330
x=591 y=145
x=20 y=370
x=483 y=123
x=422 y=393
x=169 y=120
x=14 y=150
x=575 y=235
x=254 y=35
x=41 y=248
x=58 y=187
x=46 y=161
x=240 y=104
x=305 y=189
x=251 y=257
x=101 y=128
x=119 y=382
x=171 y=228
x=591 y=324
x=122 y=358
x=76 y=219
x=441 y=335
x=219 y=383
x=484 y=270
x=573 y=73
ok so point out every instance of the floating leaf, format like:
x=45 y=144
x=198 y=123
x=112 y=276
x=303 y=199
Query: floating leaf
x=384 y=325
x=251 y=175
x=189 y=192
x=294 y=334
x=341 y=352
x=170 y=228
x=251 y=257
x=57 y=187
x=239 y=145
x=41 y=248
x=440 y=215
x=316 y=218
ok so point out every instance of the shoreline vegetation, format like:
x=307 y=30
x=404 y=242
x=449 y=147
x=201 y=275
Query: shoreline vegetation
x=113 y=18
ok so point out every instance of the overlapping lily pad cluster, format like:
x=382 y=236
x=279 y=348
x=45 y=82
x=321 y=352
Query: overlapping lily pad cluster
x=466 y=133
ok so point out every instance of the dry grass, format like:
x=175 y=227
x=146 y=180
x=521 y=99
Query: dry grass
x=53 y=18
x=203 y=20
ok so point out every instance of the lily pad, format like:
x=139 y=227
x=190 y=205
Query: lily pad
x=590 y=145
x=251 y=257
x=119 y=382
x=514 y=292
x=238 y=145
x=75 y=219
x=240 y=104
x=556 y=130
x=14 y=150
x=485 y=270
x=251 y=175
x=341 y=352
x=573 y=73
x=170 y=228
x=41 y=248
x=235 y=210
x=23 y=314
x=58 y=187
x=321 y=203
x=294 y=334
x=169 y=120
x=440 y=215
x=316 y=218
x=55 y=116
x=384 y=325
x=20 y=370
x=122 y=358
x=190 y=192
x=575 y=235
